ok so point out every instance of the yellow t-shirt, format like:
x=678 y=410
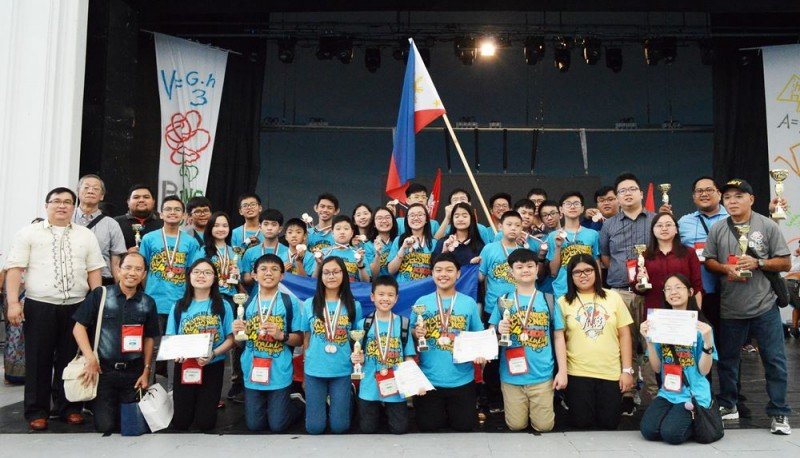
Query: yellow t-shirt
x=591 y=324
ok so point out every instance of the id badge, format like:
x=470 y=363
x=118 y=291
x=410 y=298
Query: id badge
x=673 y=381
x=132 y=336
x=387 y=385
x=632 y=266
x=517 y=363
x=699 y=247
x=260 y=371
x=191 y=372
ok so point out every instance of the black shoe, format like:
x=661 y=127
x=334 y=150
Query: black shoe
x=237 y=389
x=795 y=332
x=628 y=407
x=744 y=411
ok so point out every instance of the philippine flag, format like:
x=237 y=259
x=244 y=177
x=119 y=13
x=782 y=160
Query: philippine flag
x=419 y=106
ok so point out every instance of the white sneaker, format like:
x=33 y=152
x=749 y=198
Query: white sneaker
x=729 y=413
x=780 y=425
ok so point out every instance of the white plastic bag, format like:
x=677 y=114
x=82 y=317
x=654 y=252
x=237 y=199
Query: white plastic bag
x=157 y=407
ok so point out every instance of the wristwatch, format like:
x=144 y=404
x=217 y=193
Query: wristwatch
x=708 y=351
x=761 y=263
x=627 y=370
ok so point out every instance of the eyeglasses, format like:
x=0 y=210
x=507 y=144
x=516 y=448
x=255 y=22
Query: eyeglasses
x=383 y=218
x=606 y=200
x=265 y=269
x=203 y=273
x=537 y=201
x=677 y=288
x=574 y=204
x=500 y=206
x=700 y=192
x=331 y=273
x=60 y=203
x=664 y=226
x=203 y=211
x=172 y=209
x=550 y=214
x=630 y=190
x=91 y=188
x=582 y=273
x=249 y=205
x=416 y=216
x=138 y=270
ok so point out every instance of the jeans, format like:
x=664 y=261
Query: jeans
x=271 y=408
x=767 y=330
x=318 y=390
x=666 y=421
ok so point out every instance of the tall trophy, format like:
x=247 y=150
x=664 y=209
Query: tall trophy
x=356 y=336
x=779 y=175
x=422 y=342
x=743 y=231
x=664 y=188
x=137 y=229
x=644 y=282
x=233 y=279
x=240 y=299
x=505 y=305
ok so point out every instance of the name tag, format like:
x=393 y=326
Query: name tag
x=260 y=372
x=517 y=363
x=132 y=335
x=632 y=266
x=191 y=372
x=673 y=380
x=387 y=385
x=698 y=249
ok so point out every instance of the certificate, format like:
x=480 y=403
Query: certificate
x=410 y=379
x=674 y=327
x=184 y=346
x=471 y=345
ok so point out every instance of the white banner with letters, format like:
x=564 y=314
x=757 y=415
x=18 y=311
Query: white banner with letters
x=190 y=81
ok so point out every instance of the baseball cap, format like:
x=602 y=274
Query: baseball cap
x=737 y=183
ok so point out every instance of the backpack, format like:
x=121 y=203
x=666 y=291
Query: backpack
x=404 y=323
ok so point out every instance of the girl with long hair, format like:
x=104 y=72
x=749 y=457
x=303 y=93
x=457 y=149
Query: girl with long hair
x=463 y=239
x=410 y=256
x=217 y=246
x=379 y=241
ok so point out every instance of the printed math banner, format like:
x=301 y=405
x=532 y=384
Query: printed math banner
x=190 y=81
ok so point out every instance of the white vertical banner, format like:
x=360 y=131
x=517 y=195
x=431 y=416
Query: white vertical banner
x=190 y=81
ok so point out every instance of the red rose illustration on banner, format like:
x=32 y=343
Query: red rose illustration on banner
x=185 y=138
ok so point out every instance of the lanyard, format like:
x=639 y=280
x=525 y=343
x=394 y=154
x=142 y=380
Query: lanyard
x=171 y=256
x=445 y=319
x=383 y=350
x=589 y=318
x=524 y=320
x=331 y=320
x=265 y=318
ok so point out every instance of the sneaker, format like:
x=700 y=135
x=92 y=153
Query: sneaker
x=297 y=397
x=749 y=349
x=729 y=413
x=236 y=390
x=628 y=407
x=780 y=425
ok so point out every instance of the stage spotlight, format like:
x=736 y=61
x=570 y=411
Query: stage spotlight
x=464 y=48
x=326 y=48
x=614 y=59
x=400 y=52
x=488 y=47
x=372 y=59
x=286 y=49
x=669 y=49
x=534 y=50
x=562 y=54
x=592 y=51
x=656 y=49
x=344 y=50
x=425 y=54
x=652 y=52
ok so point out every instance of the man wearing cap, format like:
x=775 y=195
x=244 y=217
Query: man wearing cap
x=748 y=303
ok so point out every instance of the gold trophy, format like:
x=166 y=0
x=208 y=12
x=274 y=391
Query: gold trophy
x=356 y=336
x=240 y=299
x=644 y=282
x=779 y=175
x=233 y=279
x=419 y=309
x=664 y=188
x=137 y=236
x=505 y=305
x=743 y=231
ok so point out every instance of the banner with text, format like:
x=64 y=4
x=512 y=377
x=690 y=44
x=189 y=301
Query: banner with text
x=190 y=81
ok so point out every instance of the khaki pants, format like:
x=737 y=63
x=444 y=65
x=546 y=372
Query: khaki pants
x=522 y=402
x=635 y=304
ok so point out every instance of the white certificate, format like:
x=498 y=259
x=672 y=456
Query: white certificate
x=184 y=346
x=674 y=327
x=471 y=345
x=410 y=379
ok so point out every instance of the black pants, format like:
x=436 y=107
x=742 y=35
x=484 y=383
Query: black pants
x=369 y=414
x=198 y=403
x=443 y=407
x=593 y=403
x=49 y=347
x=236 y=364
x=711 y=311
x=491 y=392
x=115 y=388
x=161 y=366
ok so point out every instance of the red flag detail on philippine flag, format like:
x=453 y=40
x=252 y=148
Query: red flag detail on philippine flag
x=650 y=201
x=436 y=193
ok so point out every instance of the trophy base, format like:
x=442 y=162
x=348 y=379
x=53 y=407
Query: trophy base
x=240 y=337
x=357 y=376
x=644 y=286
x=745 y=274
x=422 y=348
x=504 y=342
x=232 y=282
x=779 y=215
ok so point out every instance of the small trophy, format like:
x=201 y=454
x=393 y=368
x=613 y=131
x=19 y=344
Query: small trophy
x=356 y=336
x=233 y=279
x=422 y=343
x=779 y=175
x=743 y=231
x=137 y=229
x=505 y=305
x=664 y=188
x=240 y=299
x=644 y=282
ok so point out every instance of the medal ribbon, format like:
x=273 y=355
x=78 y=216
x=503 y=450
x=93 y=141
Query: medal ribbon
x=224 y=260
x=383 y=351
x=445 y=320
x=331 y=320
x=262 y=317
x=264 y=247
x=171 y=257
x=524 y=318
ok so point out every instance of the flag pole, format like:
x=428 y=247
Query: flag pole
x=469 y=172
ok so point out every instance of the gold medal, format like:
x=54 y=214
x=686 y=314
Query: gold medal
x=444 y=341
x=523 y=337
x=170 y=274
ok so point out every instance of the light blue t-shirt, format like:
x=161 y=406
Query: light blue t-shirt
x=164 y=290
x=416 y=264
x=319 y=363
x=584 y=241
x=494 y=266
x=401 y=225
x=229 y=289
x=319 y=239
x=281 y=370
x=692 y=231
x=238 y=235
x=368 y=387
x=348 y=255
x=437 y=363
x=199 y=319
x=687 y=357
x=538 y=347
x=369 y=252
x=251 y=256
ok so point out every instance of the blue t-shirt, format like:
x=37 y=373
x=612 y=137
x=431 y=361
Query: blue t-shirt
x=370 y=253
x=687 y=357
x=401 y=225
x=281 y=370
x=368 y=387
x=238 y=235
x=437 y=363
x=692 y=231
x=319 y=239
x=538 y=347
x=416 y=264
x=494 y=266
x=584 y=241
x=348 y=255
x=319 y=363
x=229 y=289
x=251 y=256
x=486 y=233
x=164 y=290
x=199 y=319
